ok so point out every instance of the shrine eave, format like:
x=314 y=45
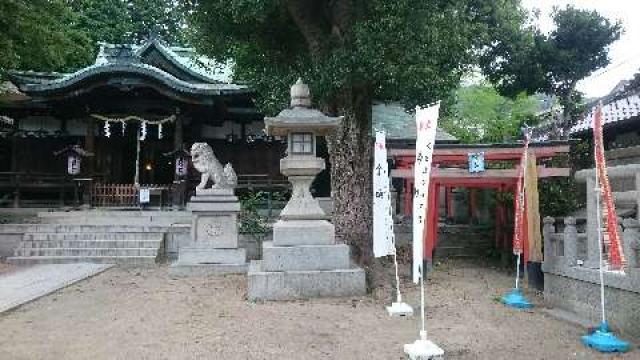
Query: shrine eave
x=72 y=81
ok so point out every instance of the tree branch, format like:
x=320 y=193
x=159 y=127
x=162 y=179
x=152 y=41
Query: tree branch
x=308 y=16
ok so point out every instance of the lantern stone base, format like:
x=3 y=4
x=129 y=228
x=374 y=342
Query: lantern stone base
x=303 y=261
x=212 y=248
x=303 y=232
x=292 y=285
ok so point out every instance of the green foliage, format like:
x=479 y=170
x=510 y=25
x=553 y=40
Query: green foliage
x=41 y=35
x=413 y=51
x=534 y=62
x=481 y=115
x=250 y=220
x=62 y=35
x=129 y=21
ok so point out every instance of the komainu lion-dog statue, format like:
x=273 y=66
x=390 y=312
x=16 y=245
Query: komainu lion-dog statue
x=210 y=168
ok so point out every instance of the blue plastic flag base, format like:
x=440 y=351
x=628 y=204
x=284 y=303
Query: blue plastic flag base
x=516 y=300
x=604 y=340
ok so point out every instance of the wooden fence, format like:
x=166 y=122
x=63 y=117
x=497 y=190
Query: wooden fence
x=127 y=195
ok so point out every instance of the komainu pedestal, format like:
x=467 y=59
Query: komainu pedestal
x=213 y=246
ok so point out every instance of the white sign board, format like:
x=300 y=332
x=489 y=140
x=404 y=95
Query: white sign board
x=144 y=196
x=426 y=124
x=383 y=237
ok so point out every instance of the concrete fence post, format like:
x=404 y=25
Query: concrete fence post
x=547 y=232
x=570 y=241
x=631 y=241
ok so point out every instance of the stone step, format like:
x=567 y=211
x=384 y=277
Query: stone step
x=39 y=236
x=164 y=221
x=67 y=228
x=78 y=228
x=461 y=251
x=292 y=285
x=122 y=260
x=97 y=244
x=87 y=252
x=304 y=257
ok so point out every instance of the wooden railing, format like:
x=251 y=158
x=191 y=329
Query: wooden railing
x=14 y=184
x=128 y=195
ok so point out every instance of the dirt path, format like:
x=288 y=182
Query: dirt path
x=145 y=314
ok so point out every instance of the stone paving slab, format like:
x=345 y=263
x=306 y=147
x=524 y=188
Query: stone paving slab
x=22 y=285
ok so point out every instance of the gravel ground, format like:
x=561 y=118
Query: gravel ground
x=146 y=314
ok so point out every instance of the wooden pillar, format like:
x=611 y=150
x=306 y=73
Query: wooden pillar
x=177 y=142
x=90 y=145
x=408 y=196
x=473 y=205
x=448 y=199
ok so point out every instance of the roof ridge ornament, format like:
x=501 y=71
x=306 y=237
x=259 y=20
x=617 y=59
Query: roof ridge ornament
x=300 y=94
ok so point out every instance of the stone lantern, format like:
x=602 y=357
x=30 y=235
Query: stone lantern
x=301 y=125
x=303 y=259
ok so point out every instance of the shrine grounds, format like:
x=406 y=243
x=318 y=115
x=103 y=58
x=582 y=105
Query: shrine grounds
x=145 y=314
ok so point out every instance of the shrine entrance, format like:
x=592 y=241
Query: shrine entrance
x=493 y=166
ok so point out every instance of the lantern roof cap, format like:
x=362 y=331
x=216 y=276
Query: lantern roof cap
x=75 y=149
x=300 y=116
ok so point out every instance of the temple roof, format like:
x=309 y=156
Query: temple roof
x=620 y=107
x=178 y=68
x=400 y=125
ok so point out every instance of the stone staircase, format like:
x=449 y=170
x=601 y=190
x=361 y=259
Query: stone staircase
x=464 y=241
x=134 y=239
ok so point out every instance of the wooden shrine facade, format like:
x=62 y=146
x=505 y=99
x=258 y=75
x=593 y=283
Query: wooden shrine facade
x=450 y=170
x=136 y=109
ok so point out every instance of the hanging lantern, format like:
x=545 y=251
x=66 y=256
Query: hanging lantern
x=182 y=164
x=73 y=163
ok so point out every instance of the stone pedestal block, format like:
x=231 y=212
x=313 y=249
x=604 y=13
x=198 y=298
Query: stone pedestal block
x=304 y=257
x=212 y=256
x=212 y=248
x=291 y=285
x=303 y=232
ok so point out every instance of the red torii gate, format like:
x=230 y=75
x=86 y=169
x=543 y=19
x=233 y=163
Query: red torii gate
x=457 y=156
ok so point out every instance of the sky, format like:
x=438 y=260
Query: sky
x=624 y=53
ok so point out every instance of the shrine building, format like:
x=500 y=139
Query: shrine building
x=124 y=122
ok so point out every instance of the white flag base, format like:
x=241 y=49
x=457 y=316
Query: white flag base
x=423 y=349
x=400 y=309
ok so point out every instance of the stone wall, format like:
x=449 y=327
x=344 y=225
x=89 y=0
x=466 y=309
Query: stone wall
x=572 y=280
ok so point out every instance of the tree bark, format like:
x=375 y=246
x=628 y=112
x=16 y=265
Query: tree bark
x=351 y=186
x=350 y=146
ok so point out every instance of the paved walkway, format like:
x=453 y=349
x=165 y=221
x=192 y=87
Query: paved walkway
x=20 y=286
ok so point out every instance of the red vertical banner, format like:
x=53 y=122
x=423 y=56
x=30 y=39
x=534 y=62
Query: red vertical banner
x=519 y=227
x=611 y=237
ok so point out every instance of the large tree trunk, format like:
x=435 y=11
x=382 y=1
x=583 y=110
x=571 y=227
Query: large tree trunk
x=351 y=184
x=325 y=25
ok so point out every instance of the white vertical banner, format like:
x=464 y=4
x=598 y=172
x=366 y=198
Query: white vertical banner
x=383 y=243
x=426 y=124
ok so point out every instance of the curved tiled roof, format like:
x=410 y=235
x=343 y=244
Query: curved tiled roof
x=135 y=69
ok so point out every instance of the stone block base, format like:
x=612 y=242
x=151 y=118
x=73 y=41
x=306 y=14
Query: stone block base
x=209 y=262
x=304 y=257
x=182 y=270
x=291 y=285
x=579 y=295
x=211 y=256
x=303 y=232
